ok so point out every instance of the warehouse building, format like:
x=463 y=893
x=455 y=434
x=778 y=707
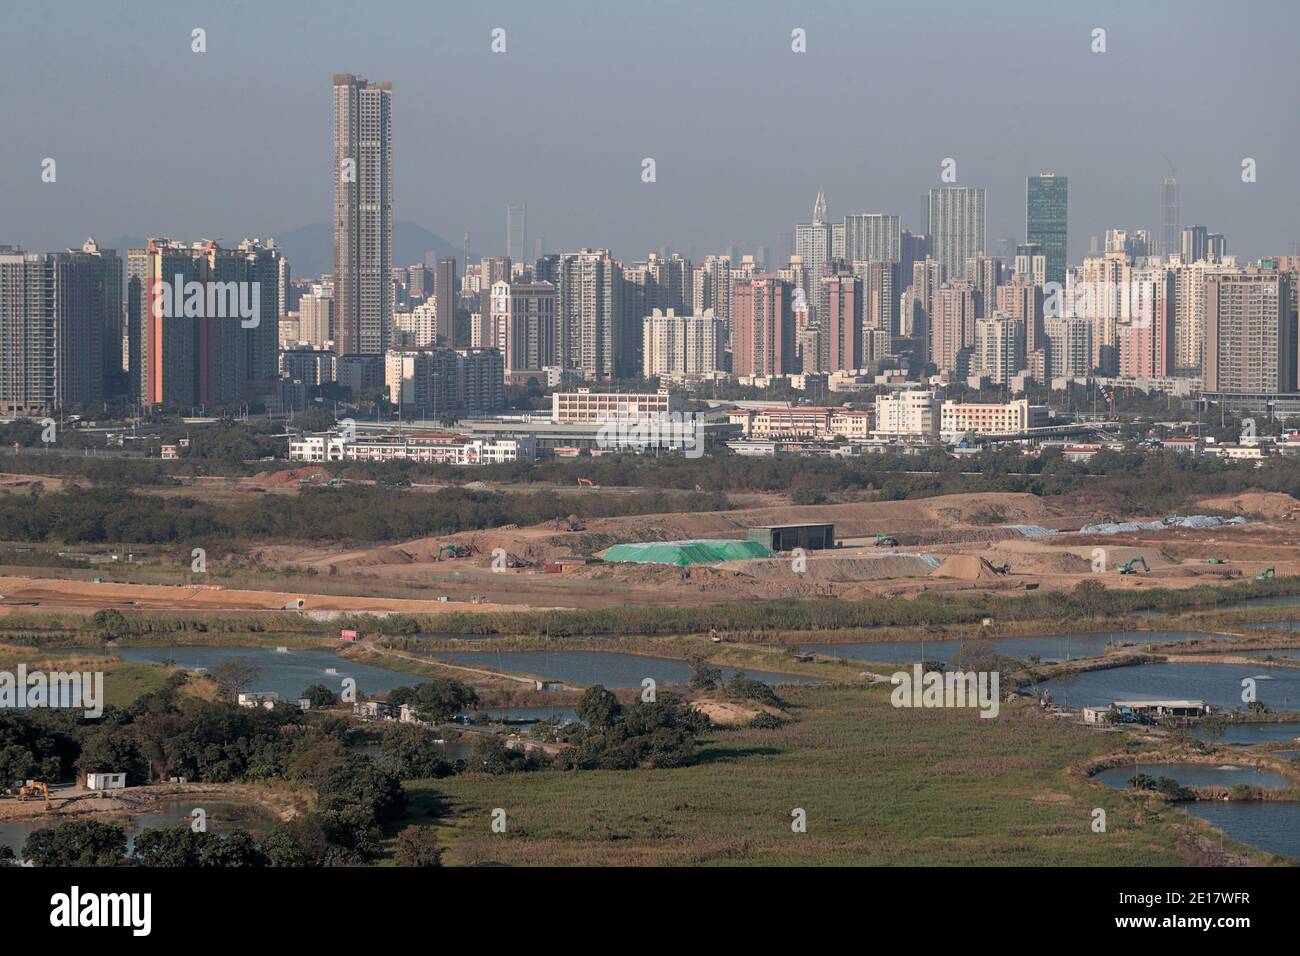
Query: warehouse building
x=787 y=537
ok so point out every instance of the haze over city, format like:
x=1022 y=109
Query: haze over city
x=153 y=139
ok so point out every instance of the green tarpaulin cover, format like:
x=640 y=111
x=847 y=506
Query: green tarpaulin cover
x=682 y=553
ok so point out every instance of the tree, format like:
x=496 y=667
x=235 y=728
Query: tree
x=111 y=749
x=491 y=755
x=297 y=842
x=233 y=675
x=110 y=624
x=320 y=696
x=170 y=846
x=237 y=848
x=79 y=843
x=598 y=708
x=703 y=676
x=410 y=752
x=1089 y=595
x=442 y=698
x=417 y=846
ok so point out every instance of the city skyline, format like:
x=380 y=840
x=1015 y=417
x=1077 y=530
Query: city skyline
x=589 y=192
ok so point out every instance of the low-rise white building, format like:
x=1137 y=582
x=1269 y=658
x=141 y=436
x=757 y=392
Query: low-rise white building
x=425 y=448
x=909 y=413
x=1012 y=418
x=262 y=698
x=584 y=405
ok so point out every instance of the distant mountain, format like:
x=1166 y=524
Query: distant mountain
x=310 y=249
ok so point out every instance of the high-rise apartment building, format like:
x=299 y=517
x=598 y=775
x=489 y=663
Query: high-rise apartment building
x=1046 y=208
x=682 y=347
x=57 y=315
x=453 y=324
x=880 y=294
x=1022 y=300
x=872 y=236
x=316 y=316
x=589 y=313
x=957 y=228
x=999 y=347
x=1194 y=243
x=842 y=323
x=524 y=323
x=762 y=337
x=363 y=215
x=1249 y=334
x=953 y=310
x=812 y=244
x=202 y=322
x=1146 y=331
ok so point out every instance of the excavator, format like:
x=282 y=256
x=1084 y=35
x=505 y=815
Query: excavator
x=1130 y=566
x=1003 y=568
x=586 y=483
x=571 y=523
x=886 y=541
x=1265 y=574
x=454 y=551
x=37 y=788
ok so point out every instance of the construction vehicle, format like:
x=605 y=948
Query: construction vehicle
x=454 y=551
x=1130 y=566
x=1215 y=561
x=37 y=788
x=1003 y=568
x=1265 y=574
x=886 y=541
x=586 y=483
x=571 y=523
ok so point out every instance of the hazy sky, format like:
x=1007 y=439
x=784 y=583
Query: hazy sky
x=153 y=139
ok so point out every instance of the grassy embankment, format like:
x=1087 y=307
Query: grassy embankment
x=880 y=786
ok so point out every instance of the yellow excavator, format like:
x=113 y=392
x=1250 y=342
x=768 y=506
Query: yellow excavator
x=37 y=788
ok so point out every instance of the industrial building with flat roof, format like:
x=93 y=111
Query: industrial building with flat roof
x=787 y=537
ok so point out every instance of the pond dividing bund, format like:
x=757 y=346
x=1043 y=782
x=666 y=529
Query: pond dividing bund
x=611 y=669
x=1195 y=775
x=1049 y=648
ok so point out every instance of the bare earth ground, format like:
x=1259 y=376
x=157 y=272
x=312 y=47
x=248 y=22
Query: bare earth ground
x=967 y=535
x=74 y=800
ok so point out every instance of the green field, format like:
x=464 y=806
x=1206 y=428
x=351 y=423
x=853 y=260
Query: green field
x=879 y=785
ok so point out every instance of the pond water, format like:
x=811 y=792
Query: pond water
x=1235 y=733
x=1049 y=648
x=168 y=812
x=1194 y=775
x=1273 y=827
x=599 y=667
x=287 y=673
x=531 y=715
x=1217 y=684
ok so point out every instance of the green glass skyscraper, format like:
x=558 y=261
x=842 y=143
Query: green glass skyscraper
x=1046 y=203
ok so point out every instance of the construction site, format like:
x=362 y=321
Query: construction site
x=1002 y=542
